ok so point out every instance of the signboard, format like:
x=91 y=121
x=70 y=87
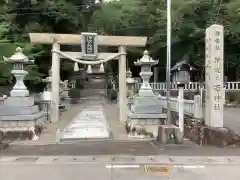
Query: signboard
x=218 y=78
x=89 y=46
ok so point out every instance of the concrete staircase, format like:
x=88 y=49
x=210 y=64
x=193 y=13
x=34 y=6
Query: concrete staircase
x=95 y=86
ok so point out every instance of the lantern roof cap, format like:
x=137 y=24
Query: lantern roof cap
x=18 y=56
x=146 y=59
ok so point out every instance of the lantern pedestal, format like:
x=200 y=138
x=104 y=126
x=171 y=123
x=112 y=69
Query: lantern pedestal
x=19 y=90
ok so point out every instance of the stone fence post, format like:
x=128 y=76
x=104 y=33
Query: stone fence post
x=197 y=107
x=46 y=108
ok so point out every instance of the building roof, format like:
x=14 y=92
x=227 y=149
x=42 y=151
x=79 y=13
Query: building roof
x=182 y=63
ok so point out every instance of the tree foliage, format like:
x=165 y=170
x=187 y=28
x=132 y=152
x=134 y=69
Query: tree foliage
x=148 y=18
x=190 y=18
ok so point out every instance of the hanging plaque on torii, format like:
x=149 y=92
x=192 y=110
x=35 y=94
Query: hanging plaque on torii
x=90 y=49
x=89 y=46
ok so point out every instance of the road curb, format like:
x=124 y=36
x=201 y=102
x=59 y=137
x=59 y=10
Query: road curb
x=121 y=160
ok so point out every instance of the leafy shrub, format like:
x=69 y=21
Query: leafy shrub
x=74 y=94
x=112 y=94
x=109 y=85
x=79 y=85
x=232 y=97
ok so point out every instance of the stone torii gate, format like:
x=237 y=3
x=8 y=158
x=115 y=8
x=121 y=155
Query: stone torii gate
x=76 y=39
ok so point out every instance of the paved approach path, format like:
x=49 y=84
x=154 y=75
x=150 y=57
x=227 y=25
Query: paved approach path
x=141 y=168
x=89 y=123
x=232 y=119
x=108 y=109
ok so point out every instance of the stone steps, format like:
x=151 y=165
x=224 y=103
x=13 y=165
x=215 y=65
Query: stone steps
x=95 y=84
x=94 y=87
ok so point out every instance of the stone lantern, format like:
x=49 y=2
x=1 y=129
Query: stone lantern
x=19 y=60
x=146 y=110
x=130 y=84
x=19 y=113
x=146 y=62
x=46 y=96
x=48 y=90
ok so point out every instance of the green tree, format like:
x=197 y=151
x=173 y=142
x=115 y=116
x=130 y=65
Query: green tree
x=125 y=17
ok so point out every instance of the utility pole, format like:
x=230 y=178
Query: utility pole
x=168 y=66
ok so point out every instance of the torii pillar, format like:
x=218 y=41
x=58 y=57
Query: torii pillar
x=55 y=83
x=122 y=85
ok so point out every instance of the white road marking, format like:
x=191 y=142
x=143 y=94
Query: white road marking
x=109 y=166
x=189 y=167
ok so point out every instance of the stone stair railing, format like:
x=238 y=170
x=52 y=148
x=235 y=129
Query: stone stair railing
x=2 y=99
x=193 y=86
x=192 y=108
x=37 y=97
x=45 y=106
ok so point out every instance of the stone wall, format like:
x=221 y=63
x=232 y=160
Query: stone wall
x=196 y=131
x=204 y=135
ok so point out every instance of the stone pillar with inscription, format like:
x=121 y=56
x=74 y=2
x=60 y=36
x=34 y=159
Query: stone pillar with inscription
x=214 y=76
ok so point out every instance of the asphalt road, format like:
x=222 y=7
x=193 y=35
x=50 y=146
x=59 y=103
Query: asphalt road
x=76 y=168
x=138 y=148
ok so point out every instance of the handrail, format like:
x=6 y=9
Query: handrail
x=193 y=86
x=191 y=107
